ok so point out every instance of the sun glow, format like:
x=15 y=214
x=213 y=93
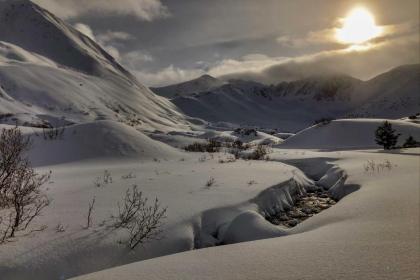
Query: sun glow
x=358 y=27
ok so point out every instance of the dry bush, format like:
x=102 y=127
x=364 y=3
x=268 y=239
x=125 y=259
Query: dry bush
x=246 y=131
x=229 y=159
x=211 y=146
x=130 y=175
x=53 y=133
x=60 y=228
x=210 y=182
x=105 y=179
x=373 y=167
x=260 y=153
x=89 y=214
x=142 y=221
x=21 y=197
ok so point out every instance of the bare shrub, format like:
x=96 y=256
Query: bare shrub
x=203 y=158
x=97 y=182
x=211 y=146
x=21 y=197
x=53 y=133
x=246 y=131
x=128 y=176
x=105 y=179
x=142 y=221
x=229 y=159
x=60 y=228
x=210 y=182
x=89 y=214
x=260 y=153
x=373 y=167
x=251 y=182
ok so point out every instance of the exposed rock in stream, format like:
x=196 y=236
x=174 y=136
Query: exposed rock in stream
x=306 y=205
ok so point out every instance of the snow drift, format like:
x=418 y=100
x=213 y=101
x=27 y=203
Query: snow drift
x=348 y=134
x=100 y=140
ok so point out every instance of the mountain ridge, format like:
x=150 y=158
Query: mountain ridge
x=322 y=96
x=50 y=71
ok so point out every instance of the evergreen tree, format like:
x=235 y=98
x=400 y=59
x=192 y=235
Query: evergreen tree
x=410 y=142
x=385 y=136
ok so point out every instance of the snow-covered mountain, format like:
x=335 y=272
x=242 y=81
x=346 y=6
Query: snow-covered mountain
x=50 y=71
x=203 y=83
x=296 y=105
x=392 y=94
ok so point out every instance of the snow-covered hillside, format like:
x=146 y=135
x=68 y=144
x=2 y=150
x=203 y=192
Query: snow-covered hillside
x=348 y=134
x=296 y=105
x=49 y=70
x=288 y=107
x=240 y=203
x=373 y=233
x=392 y=94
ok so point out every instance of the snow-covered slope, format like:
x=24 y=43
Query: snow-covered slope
x=288 y=107
x=33 y=28
x=47 y=68
x=372 y=233
x=100 y=140
x=296 y=105
x=348 y=134
x=392 y=94
x=203 y=83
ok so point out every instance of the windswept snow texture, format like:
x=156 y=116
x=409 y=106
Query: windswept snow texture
x=348 y=134
x=49 y=69
x=292 y=106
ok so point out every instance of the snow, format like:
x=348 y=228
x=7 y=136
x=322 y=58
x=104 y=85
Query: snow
x=292 y=106
x=50 y=70
x=370 y=234
x=51 y=76
x=250 y=226
x=348 y=134
x=101 y=140
x=82 y=155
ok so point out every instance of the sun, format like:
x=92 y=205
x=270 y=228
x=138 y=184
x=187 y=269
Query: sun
x=358 y=27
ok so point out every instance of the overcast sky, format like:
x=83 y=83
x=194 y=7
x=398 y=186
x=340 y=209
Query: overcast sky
x=164 y=42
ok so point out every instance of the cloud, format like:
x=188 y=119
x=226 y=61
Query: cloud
x=135 y=59
x=85 y=29
x=167 y=76
x=251 y=62
x=111 y=36
x=396 y=46
x=142 y=9
x=319 y=37
x=106 y=40
x=362 y=62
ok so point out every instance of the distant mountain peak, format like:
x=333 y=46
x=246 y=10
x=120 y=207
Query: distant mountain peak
x=200 y=84
x=207 y=77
